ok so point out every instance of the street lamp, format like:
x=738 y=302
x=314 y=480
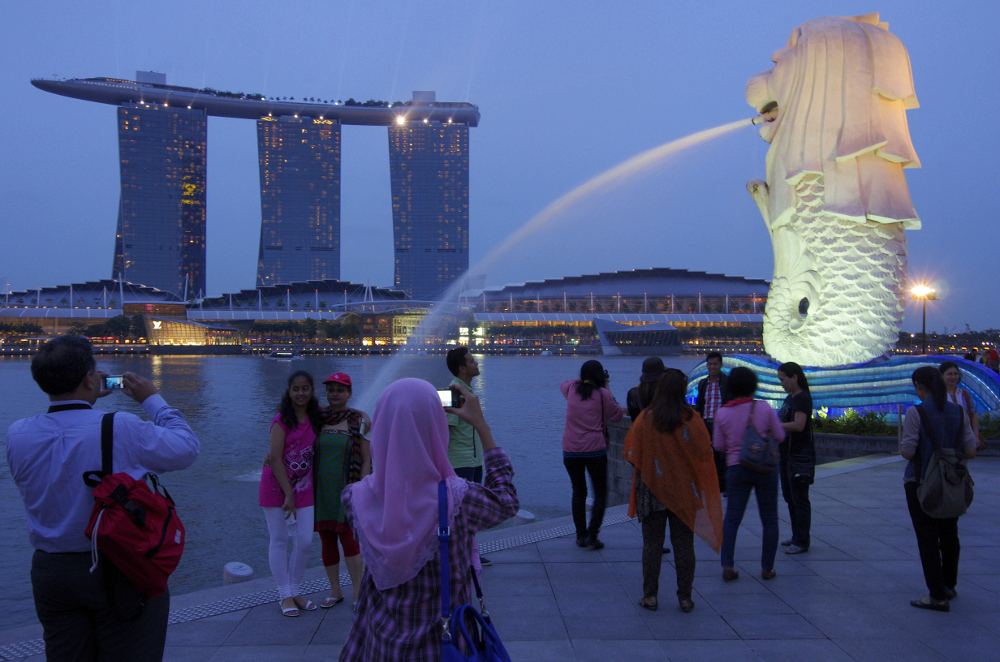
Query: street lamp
x=923 y=293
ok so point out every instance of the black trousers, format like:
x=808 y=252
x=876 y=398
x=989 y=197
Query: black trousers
x=474 y=474
x=719 y=457
x=937 y=540
x=577 y=468
x=90 y=617
x=796 y=495
x=654 y=530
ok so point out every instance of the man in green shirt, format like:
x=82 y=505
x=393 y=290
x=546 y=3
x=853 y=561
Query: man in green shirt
x=465 y=451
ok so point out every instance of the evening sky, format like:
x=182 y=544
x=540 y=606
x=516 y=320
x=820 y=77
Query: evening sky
x=567 y=89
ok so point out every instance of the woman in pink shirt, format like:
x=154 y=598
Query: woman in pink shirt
x=730 y=425
x=585 y=448
x=286 y=489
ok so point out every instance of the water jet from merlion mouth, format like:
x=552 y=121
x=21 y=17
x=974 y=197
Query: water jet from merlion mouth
x=545 y=218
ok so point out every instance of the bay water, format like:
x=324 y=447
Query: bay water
x=229 y=402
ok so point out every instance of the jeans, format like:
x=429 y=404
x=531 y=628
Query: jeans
x=719 y=457
x=88 y=616
x=937 y=540
x=739 y=482
x=796 y=494
x=474 y=474
x=654 y=529
x=577 y=468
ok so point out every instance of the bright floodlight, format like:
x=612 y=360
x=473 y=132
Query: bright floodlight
x=921 y=291
x=400 y=119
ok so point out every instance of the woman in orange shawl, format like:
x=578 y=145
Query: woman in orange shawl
x=675 y=481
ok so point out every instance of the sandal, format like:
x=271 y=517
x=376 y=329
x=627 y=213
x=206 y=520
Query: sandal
x=648 y=603
x=290 y=612
x=331 y=602
x=932 y=604
x=308 y=606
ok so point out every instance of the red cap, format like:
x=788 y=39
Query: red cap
x=338 y=377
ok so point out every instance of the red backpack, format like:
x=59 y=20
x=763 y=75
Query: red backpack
x=132 y=526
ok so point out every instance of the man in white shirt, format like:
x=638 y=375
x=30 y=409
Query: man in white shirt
x=87 y=615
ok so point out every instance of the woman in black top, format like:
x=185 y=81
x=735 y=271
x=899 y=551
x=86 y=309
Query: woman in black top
x=798 y=456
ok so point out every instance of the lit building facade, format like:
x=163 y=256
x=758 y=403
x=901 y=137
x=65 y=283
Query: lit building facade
x=161 y=220
x=299 y=199
x=160 y=241
x=429 y=173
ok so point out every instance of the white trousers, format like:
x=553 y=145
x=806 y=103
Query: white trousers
x=288 y=573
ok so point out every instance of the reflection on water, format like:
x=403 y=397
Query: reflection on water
x=230 y=401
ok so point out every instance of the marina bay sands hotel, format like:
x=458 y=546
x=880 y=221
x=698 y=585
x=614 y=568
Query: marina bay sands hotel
x=162 y=143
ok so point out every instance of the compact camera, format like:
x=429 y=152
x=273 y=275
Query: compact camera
x=113 y=382
x=450 y=398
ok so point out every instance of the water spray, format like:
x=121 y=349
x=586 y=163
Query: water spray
x=615 y=175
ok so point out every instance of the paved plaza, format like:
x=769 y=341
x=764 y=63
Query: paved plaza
x=846 y=599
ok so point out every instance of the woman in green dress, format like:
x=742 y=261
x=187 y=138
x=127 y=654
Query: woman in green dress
x=342 y=457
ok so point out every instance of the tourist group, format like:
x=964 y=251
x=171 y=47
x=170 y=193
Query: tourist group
x=423 y=474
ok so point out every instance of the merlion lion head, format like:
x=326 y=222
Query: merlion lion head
x=841 y=87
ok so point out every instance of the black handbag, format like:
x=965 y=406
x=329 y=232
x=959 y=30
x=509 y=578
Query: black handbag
x=473 y=627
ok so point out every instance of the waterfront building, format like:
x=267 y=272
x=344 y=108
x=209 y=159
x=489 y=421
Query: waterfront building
x=429 y=171
x=160 y=240
x=680 y=303
x=66 y=308
x=299 y=199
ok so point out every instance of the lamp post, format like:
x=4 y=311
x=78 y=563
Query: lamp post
x=923 y=293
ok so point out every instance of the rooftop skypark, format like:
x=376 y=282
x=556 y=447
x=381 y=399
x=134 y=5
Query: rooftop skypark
x=116 y=91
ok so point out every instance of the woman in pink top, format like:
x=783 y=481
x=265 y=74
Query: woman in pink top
x=286 y=489
x=585 y=449
x=730 y=425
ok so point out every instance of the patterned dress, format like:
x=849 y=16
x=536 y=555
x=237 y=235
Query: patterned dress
x=336 y=465
x=404 y=622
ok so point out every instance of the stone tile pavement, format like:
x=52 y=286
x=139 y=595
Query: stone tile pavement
x=846 y=599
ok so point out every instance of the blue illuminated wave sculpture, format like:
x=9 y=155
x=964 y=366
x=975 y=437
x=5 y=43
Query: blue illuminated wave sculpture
x=878 y=387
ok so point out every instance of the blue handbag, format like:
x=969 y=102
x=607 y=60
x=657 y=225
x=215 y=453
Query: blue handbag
x=468 y=624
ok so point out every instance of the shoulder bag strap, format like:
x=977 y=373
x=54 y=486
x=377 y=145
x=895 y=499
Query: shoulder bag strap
x=930 y=433
x=443 y=534
x=107 y=443
x=93 y=478
x=479 y=594
x=604 y=420
x=753 y=403
x=959 y=437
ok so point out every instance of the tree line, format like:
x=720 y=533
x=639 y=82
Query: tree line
x=119 y=327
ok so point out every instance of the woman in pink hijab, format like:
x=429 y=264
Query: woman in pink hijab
x=394 y=514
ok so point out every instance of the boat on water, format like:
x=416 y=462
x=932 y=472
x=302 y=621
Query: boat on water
x=284 y=354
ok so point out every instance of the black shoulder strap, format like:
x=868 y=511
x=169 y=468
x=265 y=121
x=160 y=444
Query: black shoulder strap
x=93 y=478
x=107 y=443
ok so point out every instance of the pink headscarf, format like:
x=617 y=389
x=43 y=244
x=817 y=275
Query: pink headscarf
x=396 y=507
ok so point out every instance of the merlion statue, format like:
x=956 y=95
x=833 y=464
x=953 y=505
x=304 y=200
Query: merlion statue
x=836 y=201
